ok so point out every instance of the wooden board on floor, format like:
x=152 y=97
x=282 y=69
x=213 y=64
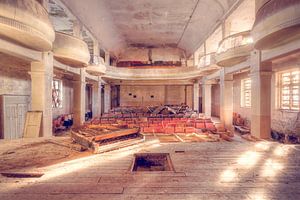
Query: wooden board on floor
x=32 y=124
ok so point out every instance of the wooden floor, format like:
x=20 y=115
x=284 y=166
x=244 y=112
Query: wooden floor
x=221 y=170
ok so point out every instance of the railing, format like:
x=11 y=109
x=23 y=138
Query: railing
x=97 y=60
x=234 y=41
x=206 y=60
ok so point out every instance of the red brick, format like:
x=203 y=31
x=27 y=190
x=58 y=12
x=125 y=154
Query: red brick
x=189 y=129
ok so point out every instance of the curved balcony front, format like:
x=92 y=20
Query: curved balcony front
x=234 y=49
x=178 y=73
x=97 y=68
x=207 y=64
x=277 y=22
x=70 y=50
x=26 y=23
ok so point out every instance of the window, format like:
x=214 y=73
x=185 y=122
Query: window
x=56 y=94
x=246 y=92
x=289 y=90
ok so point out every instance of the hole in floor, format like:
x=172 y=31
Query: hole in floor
x=152 y=162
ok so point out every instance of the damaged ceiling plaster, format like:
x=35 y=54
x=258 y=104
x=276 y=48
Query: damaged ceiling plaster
x=119 y=24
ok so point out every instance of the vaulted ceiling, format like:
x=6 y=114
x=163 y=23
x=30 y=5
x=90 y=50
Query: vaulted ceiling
x=118 y=24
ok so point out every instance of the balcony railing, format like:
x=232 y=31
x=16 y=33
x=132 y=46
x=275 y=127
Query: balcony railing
x=206 y=60
x=234 y=41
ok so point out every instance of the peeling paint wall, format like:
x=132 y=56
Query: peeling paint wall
x=215 y=100
x=157 y=54
x=14 y=83
x=237 y=86
x=155 y=95
x=283 y=121
x=67 y=105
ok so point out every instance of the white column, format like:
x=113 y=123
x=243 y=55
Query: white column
x=261 y=74
x=41 y=91
x=107 y=98
x=226 y=99
x=196 y=96
x=206 y=98
x=107 y=58
x=96 y=105
x=77 y=29
x=79 y=98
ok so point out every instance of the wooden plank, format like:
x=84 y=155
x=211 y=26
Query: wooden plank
x=82 y=140
x=32 y=124
x=116 y=134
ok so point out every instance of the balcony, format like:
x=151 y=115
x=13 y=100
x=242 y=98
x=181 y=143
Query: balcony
x=70 y=50
x=277 y=23
x=234 y=49
x=135 y=74
x=26 y=23
x=207 y=64
x=97 y=68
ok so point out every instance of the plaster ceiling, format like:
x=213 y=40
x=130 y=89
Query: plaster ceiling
x=118 y=24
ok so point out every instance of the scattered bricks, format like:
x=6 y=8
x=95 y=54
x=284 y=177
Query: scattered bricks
x=200 y=125
x=169 y=130
x=179 y=129
x=190 y=130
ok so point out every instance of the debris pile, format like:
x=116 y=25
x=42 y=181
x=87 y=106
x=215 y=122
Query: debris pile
x=106 y=137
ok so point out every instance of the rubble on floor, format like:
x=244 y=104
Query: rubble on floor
x=37 y=152
x=106 y=137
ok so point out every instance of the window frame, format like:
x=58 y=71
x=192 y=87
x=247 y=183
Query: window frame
x=290 y=86
x=244 y=91
x=60 y=95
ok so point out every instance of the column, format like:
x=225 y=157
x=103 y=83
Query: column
x=41 y=87
x=107 y=98
x=77 y=29
x=96 y=52
x=261 y=74
x=107 y=59
x=96 y=106
x=206 y=98
x=196 y=96
x=79 y=98
x=226 y=98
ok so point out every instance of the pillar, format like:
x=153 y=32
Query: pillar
x=77 y=29
x=206 y=98
x=226 y=98
x=261 y=75
x=79 y=98
x=96 y=105
x=196 y=96
x=107 y=59
x=107 y=98
x=41 y=87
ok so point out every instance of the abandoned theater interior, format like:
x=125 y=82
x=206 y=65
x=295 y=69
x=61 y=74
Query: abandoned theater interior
x=149 y=99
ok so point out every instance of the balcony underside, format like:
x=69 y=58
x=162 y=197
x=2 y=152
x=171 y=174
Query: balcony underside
x=26 y=23
x=70 y=50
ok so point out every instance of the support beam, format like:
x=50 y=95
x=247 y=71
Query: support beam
x=196 y=96
x=226 y=98
x=206 y=98
x=107 y=59
x=107 y=98
x=96 y=105
x=41 y=86
x=79 y=98
x=261 y=74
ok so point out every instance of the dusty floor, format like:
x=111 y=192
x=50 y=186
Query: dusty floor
x=223 y=170
x=37 y=152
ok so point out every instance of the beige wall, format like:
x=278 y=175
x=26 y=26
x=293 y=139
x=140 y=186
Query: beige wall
x=237 y=108
x=283 y=121
x=162 y=95
x=14 y=83
x=215 y=100
x=67 y=107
